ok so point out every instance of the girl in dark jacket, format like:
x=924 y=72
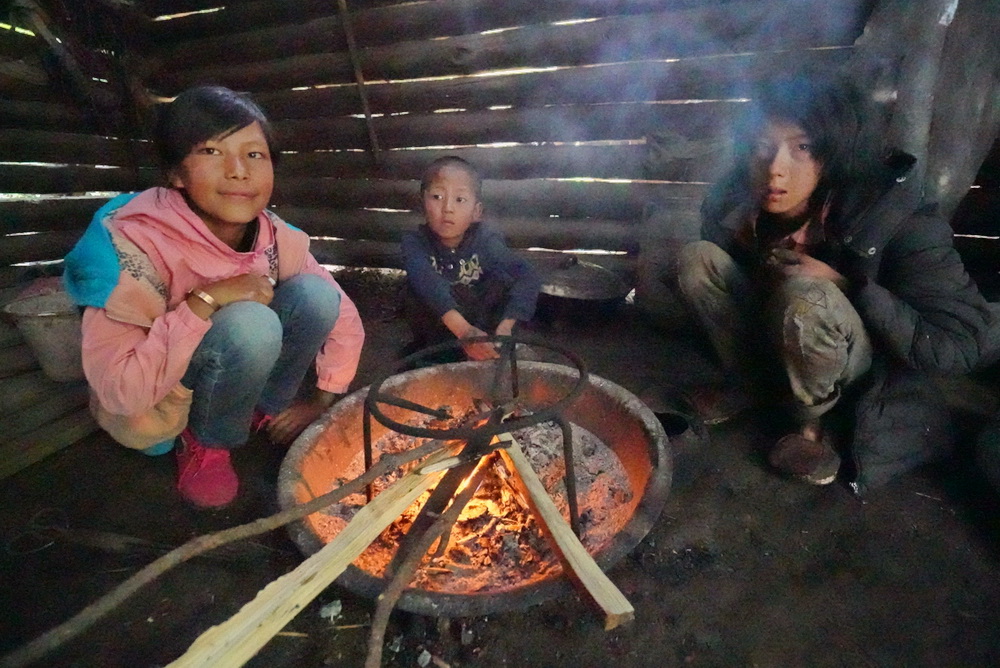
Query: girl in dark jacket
x=820 y=276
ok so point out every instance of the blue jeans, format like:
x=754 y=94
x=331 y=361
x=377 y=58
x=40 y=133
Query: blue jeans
x=255 y=356
x=805 y=326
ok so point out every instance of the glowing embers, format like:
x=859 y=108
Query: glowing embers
x=497 y=544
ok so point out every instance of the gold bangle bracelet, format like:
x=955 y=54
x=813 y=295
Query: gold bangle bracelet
x=207 y=298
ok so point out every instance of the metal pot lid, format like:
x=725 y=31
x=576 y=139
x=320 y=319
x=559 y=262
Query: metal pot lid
x=578 y=279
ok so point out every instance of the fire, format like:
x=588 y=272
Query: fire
x=497 y=543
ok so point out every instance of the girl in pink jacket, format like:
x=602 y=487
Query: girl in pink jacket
x=204 y=310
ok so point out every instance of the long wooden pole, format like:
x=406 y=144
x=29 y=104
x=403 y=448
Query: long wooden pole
x=238 y=639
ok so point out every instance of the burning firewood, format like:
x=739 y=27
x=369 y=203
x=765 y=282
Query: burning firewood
x=577 y=560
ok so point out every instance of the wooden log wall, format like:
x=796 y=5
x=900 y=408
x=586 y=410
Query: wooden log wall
x=555 y=102
x=552 y=101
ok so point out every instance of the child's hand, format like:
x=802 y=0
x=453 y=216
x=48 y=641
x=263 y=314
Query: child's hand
x=242 y=288
x=480 y=350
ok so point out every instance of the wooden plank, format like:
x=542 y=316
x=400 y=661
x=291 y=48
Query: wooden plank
x=385 y=254
x=22 y=390
x=20 y=145
x=19 y=453
x=577 y=562
x=557 y=233
x=54 y=116
x=235 y=641
x=73 y=179
x=63 y=399
x=527 y=197
x=599 y=160
x=15 y=360
x=45 y=214
x=691 y=78
x=382 y=24
x=586 y=123
x=731 y=28
x=37 y=247
x=14 y=44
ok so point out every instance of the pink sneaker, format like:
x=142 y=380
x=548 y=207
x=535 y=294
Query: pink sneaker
x=205 y=476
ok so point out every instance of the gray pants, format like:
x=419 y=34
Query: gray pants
x=805 y=325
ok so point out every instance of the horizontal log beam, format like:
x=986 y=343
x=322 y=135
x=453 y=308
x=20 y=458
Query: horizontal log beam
x=555 y=233
x=730 y=28
x=38 y=247
x=19 y=145
x=41 y=215
x=555 y=124
x=528 y=197
x=375 y=25
x=73 y=179
x=380 y=254
x=53 y=116
x=623 y=161
x=692 y=78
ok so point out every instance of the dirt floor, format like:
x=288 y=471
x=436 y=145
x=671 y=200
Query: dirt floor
x=743 y=567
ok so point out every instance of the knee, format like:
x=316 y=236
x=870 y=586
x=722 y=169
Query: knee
x=311 y=297
x=697 y=263
x=248 y=333
x=810 y=297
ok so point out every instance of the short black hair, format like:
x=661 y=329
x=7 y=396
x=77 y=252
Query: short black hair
x=437 y=165
x=202 y=113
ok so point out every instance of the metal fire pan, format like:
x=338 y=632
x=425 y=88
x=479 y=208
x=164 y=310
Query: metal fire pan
x=321 y=454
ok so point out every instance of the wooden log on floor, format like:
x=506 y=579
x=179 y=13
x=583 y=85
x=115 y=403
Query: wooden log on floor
x=61 y=399
x=19 y=453
x=577 y=562
x=235 y=641
x=16 y=359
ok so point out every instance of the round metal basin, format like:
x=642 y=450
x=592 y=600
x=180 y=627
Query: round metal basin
x=322 y=453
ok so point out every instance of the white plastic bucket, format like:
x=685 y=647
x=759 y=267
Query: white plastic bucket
x=50 y=324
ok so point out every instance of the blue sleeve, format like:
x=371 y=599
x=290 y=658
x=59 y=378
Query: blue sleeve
x=525 y=282
x=432 y=288
x=91 y=267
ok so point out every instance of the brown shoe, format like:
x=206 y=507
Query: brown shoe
x=815 y=462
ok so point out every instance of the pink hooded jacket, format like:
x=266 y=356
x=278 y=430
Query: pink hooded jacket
x=137 y=348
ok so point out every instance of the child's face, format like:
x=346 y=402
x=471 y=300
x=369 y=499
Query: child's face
x=450 y=205
x=784 y=169
x=228 y=181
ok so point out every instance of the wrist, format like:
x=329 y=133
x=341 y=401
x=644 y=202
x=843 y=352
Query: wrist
x=202 y=303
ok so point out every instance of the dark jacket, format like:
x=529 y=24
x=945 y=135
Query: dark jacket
x=922 y=311
x=483 y=256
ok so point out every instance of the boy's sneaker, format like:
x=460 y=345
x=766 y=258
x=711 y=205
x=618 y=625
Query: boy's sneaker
x=205 y=475
x=815 y=462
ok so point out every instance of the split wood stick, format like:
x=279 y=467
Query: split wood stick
x=71 y=628
x=407 y=568
x=576 y=560
x=238 y=639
